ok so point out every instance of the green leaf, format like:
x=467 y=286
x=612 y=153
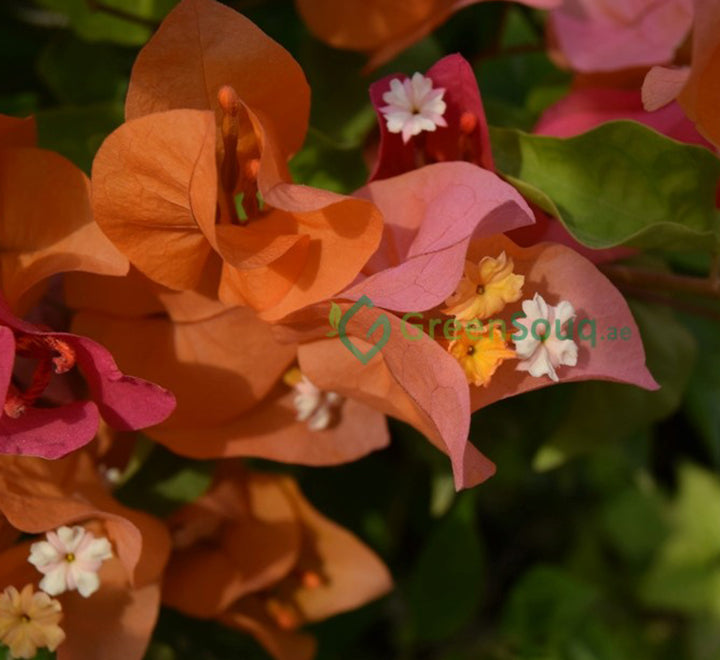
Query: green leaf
x=81 y=73
x=633 y=521
x=546 y=613
x=321 y=163
x=602 y=411
x=341 y=108
x=512 y=84
x=164 y=482
x=686 y=573
x=619 y=184
x=127 y=22
x=702 y=402
x=77 y=132
x=42 y=654
x=446 y=584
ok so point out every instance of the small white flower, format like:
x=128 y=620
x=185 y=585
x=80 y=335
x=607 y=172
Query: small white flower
x=413 y=106
x=546 y=344
x=70 y=559
x=315 y=406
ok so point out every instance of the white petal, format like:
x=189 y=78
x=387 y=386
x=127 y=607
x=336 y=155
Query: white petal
x=564 y=312
x=70 y=537
x=320 y=419
x=539 y=364
x=55 y=582
x=43 y=553
x=87 y=582
x=98 y=550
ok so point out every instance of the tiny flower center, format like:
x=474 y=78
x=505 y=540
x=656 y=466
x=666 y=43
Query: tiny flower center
x=69 y=557
x=318 y=408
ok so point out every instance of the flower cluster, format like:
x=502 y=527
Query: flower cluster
x=193 y=260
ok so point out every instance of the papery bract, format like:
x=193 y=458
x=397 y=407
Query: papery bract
x=465 y=137
x=40 y=496
x=604 y=35
x=383 y=28
x=123 y=401
x=431 y=215
x=696 y=89
x=584 y=109
x=255 y=555
x=199 y=150
x=36 y=185
x=225 y=369
x=414 y=377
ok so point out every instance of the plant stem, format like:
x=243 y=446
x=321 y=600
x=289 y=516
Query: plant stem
x=664 y=282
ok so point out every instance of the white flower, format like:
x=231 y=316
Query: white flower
x=70 y=559
x=315 y=406
x=413 y=106
x=546 y=345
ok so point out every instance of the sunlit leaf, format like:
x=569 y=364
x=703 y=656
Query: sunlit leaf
x=619 y=184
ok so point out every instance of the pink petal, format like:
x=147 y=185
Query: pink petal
x=430 y=215
x=663 y=85
x=416 y=381
x=125 y=402
x=593 y=41
x=559 y=273
x=7 y=360
x=49 y=432
x=584 y=109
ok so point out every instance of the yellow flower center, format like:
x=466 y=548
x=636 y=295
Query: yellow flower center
x=485 y=289
x=480 y=356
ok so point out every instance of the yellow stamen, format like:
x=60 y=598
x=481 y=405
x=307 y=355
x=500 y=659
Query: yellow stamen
x=480 y=356
x=485 y=289
x=292 y=377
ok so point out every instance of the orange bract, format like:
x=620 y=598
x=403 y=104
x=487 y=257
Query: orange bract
x=196 y=181
x=35 y=185
x=225 y=369
x=382 y=27
x=40 y=496
x=255 y=555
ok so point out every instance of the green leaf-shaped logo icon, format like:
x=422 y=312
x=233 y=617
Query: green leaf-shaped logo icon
x=334 y=319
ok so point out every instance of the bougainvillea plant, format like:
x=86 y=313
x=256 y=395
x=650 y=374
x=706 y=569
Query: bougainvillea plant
x=359 y=329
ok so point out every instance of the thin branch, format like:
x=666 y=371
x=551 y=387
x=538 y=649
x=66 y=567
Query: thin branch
x=97 y=5
x=663 y=281
x=670 y=301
